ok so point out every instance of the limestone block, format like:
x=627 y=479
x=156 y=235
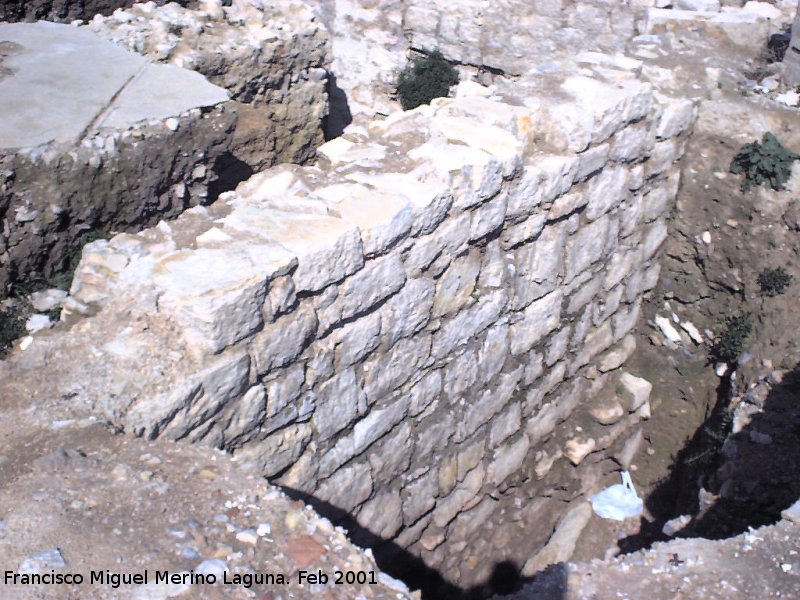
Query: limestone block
x=607 y=411
x=586 y=247
x=409 y=310
x=677 y=117
x=561 y=545
x=578 y=448
x=419 y=497
x=382 y=515
x=448 y=508
x=281 y=342
x=279 y=450
x=605 y=191
x=617 y=355
x=455 y=286
x=567 y=204
x=505 y=425
x=654 y=237
x=663 y=155
x=378 y=422
x=468 y=323
x=469 y=457
x=340 y=401
x=507 y=460
x=586 y=293
x=379 y=279
x=633 y=143
x=215 y=295
x=609 y=107
x=595 y=342
x=635 y=390
x=487 y=405
x=621 y=265
x=592 y=160
x=348 y=488
x=285 y=389
x=383 y=217
x=655 y=203
x=245 y=417
x=448 y=239
x=698 y=5
x=460 y=374
x=493 y=140
x=387 y=372
x=357 y=340
x=425 y=392
x=488 y=217
x=468 y=522
x=557 y=346
x=568 y=127
x=537 y=266
x=538 y=319
x=514 y=235
x=494 y=266
x=493 y=353
x=478 y=174
x=630 y=215
x=433 y=436
x=327 y=249
x=607 y=305
x=625 y=320
x=281 y=296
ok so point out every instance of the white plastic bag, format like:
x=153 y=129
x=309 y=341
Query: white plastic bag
x=618 y=502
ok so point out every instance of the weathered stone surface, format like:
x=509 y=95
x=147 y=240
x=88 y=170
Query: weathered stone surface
x=507 y=460
x=283 y=341
x=538 y=265
x=586 y=247
x=561 y=545
x=636 y=391
x=455 y=286
x=538 y=319
x=339 y=402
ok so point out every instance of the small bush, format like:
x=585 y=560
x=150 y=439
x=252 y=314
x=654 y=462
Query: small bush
x=12 y=327
x=731 y=343
x=774 y=281
x=767 y=163
x=425 y=78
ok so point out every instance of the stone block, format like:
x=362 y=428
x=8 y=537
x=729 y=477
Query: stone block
x=339 y=402
x=507 y=460
x=538 y=265
x=281 y=342
x=538 y=319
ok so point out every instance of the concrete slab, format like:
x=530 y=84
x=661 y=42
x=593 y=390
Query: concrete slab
x=160 y=92
x=58 y=81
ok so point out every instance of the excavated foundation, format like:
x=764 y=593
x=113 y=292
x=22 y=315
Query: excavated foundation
x=424 y=334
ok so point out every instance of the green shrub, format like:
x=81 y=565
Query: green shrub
x=12 y=327
x=767 y=163
x=774 y=281
x=731 y=343
x=425 y=78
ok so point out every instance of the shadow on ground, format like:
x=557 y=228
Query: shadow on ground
x=402 y=564
x=750 y=479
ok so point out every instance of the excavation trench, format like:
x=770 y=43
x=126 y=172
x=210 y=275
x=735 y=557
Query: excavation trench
x=437 y=334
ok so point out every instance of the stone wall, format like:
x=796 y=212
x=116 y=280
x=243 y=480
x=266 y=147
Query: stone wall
x=424 y=330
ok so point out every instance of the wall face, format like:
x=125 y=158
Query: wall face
x=419 y=330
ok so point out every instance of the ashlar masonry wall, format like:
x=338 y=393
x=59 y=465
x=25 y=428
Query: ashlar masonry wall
x=420 y=330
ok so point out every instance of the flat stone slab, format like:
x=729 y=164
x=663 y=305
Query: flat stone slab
x=58 y=82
